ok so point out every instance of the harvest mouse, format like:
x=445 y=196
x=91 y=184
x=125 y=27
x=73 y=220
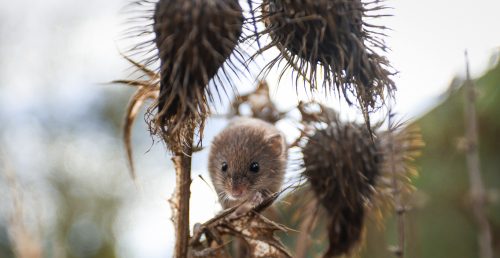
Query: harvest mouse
x=247 y=162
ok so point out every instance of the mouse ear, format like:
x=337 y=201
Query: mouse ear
x=276 y=142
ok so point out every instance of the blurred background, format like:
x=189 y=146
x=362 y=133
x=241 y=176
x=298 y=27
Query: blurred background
x=65 y=190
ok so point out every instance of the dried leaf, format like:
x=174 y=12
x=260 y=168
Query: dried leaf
x=146 y=89
x=136 y=102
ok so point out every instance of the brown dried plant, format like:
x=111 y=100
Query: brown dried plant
x=260 y=103
x=327 y=44
x=353 y=177
x=330 y=44
x=257 y=232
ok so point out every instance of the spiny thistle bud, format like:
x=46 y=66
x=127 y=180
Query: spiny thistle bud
x=195 y=39
x=342 y=164
x=355 y=176
x=329 y=43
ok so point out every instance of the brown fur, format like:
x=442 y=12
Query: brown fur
x=244 y=141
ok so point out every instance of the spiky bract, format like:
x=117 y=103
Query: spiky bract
x=328 y=43
x=400 y=146
x=341 y=164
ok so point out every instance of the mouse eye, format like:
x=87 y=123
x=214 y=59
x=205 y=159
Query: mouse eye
x=224 y=167
x=254 y=167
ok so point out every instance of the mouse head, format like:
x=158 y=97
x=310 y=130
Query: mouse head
x=245 y=160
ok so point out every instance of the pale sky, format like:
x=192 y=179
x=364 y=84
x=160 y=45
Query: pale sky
x=67 y=47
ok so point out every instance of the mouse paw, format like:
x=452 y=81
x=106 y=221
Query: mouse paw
x=257 y=199
x=244 y=208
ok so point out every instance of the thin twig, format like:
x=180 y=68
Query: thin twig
x=477 y=190
x=307 y=225
x=396 y=191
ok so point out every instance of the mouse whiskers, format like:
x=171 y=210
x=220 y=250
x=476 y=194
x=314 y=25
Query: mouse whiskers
x=223 y=197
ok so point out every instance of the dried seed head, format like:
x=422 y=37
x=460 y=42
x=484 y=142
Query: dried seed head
x=194 y=39
x=354 y=176
x=341 y=165
x=328 y=43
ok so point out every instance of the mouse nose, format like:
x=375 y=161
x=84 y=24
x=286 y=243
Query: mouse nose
x=238 y=192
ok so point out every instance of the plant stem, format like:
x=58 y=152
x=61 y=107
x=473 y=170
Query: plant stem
x=477 y=191
x=396 y=191
x=307 y=225
x=180 y=199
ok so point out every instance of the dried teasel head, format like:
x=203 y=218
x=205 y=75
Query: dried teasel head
x=354 y=176
x=342 y=165
x=329 y=43
x=194 y=40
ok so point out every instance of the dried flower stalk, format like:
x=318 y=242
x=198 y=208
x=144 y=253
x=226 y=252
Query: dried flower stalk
x=477 y=189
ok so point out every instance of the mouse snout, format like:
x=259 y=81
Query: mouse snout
x=237 y=191
x=238 y=188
